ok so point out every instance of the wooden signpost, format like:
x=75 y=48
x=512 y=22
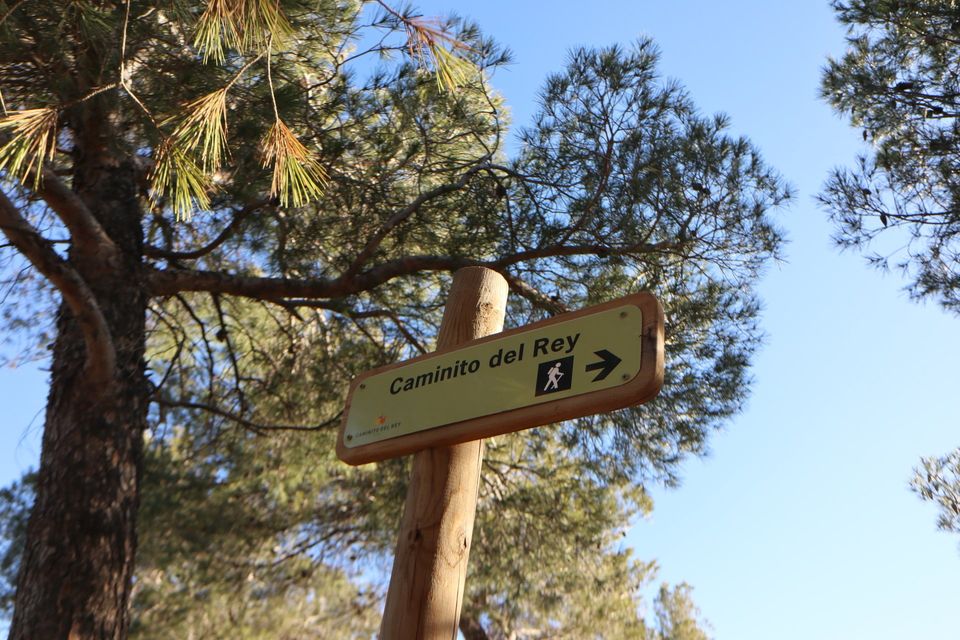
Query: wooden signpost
x=441 y=405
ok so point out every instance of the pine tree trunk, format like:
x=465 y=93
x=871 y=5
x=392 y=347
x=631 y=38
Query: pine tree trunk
x=76 y=571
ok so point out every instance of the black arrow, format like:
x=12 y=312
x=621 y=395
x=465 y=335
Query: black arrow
x=608 y=364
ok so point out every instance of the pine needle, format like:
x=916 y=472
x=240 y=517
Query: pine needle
x=216 y=30
x=178 y=174
x=239 y=24
x=297 y=176
x=451 y=70
x=33 y=141
x=265 y=19
x=204 y=129
x=428 y=44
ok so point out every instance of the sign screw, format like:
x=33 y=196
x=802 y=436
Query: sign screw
x=363 y=386
x=623 y=314
x=625 y=377
x=349 y=437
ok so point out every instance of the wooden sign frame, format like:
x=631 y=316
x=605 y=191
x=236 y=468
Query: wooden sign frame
x=641 y=388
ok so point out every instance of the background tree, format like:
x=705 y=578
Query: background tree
x=229 y=338
x=676 y=615
x=938 y=480
x=900 y=82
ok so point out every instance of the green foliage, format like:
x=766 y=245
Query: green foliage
x=177 y=173
x=297 y=177
x=546 y=552
x=239 y=39
x=241 y=25
x=897 y=81
x=227 y=551
x=31 y=142
x=676 y=615
x=674 y=206
x=15 y=502
x=938 y=480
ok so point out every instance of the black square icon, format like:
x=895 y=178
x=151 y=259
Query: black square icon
x=555 y=375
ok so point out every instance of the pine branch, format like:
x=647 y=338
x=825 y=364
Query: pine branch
x=255 y=427
x=346 y=310
x=428 y=42
x=101 y=356
x=403 y=214
x=86 y=233
x=537 y=297
x=238 y=217
x=171 y=281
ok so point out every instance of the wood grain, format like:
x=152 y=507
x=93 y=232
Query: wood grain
x=430 y=566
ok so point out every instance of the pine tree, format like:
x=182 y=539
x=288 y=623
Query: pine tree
x=937 y=479
x=323 y=201
x=898 y=82
x=676 y=615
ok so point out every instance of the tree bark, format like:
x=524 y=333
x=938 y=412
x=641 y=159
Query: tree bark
x=76 y=571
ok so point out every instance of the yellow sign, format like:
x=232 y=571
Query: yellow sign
x=561 y=359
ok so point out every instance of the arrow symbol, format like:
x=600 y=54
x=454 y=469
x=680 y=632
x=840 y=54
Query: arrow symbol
x=608 y=363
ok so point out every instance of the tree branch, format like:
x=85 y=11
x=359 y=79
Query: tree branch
x=255 y=427
x=471 y=628
x=349 y=312
x=402 y=214
x=86 y=233
x=224 y=335
x=238 y=217
x=101 y=356
x=171 y=281
x=535 y=296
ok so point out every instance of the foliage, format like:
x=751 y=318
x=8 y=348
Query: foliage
x=251 y=41
x=15 y=502
x=386 y=176
x=220 y=559
x=676 y=615
x=938 y=480
x=547 y=559
x=898 y=81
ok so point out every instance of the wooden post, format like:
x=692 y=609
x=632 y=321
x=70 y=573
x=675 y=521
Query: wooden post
x=430 y=566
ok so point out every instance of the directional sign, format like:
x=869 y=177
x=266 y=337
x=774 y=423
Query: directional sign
x=597 y=359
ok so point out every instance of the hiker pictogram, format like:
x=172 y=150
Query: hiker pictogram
x=555 y=375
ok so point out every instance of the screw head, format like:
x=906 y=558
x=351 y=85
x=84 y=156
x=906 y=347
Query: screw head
x=625 y=377
x=349 y=437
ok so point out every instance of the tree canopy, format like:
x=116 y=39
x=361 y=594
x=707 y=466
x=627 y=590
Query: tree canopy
x=937 y=479
x=330 y=165
x=899 y=81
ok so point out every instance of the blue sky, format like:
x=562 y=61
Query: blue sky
x=800 y=523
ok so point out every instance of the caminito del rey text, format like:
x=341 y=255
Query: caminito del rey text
x=540 y=347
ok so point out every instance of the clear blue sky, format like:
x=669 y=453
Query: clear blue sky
x=800 y=523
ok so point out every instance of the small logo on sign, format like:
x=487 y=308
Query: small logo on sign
x=555 y=375
x=381 y=419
